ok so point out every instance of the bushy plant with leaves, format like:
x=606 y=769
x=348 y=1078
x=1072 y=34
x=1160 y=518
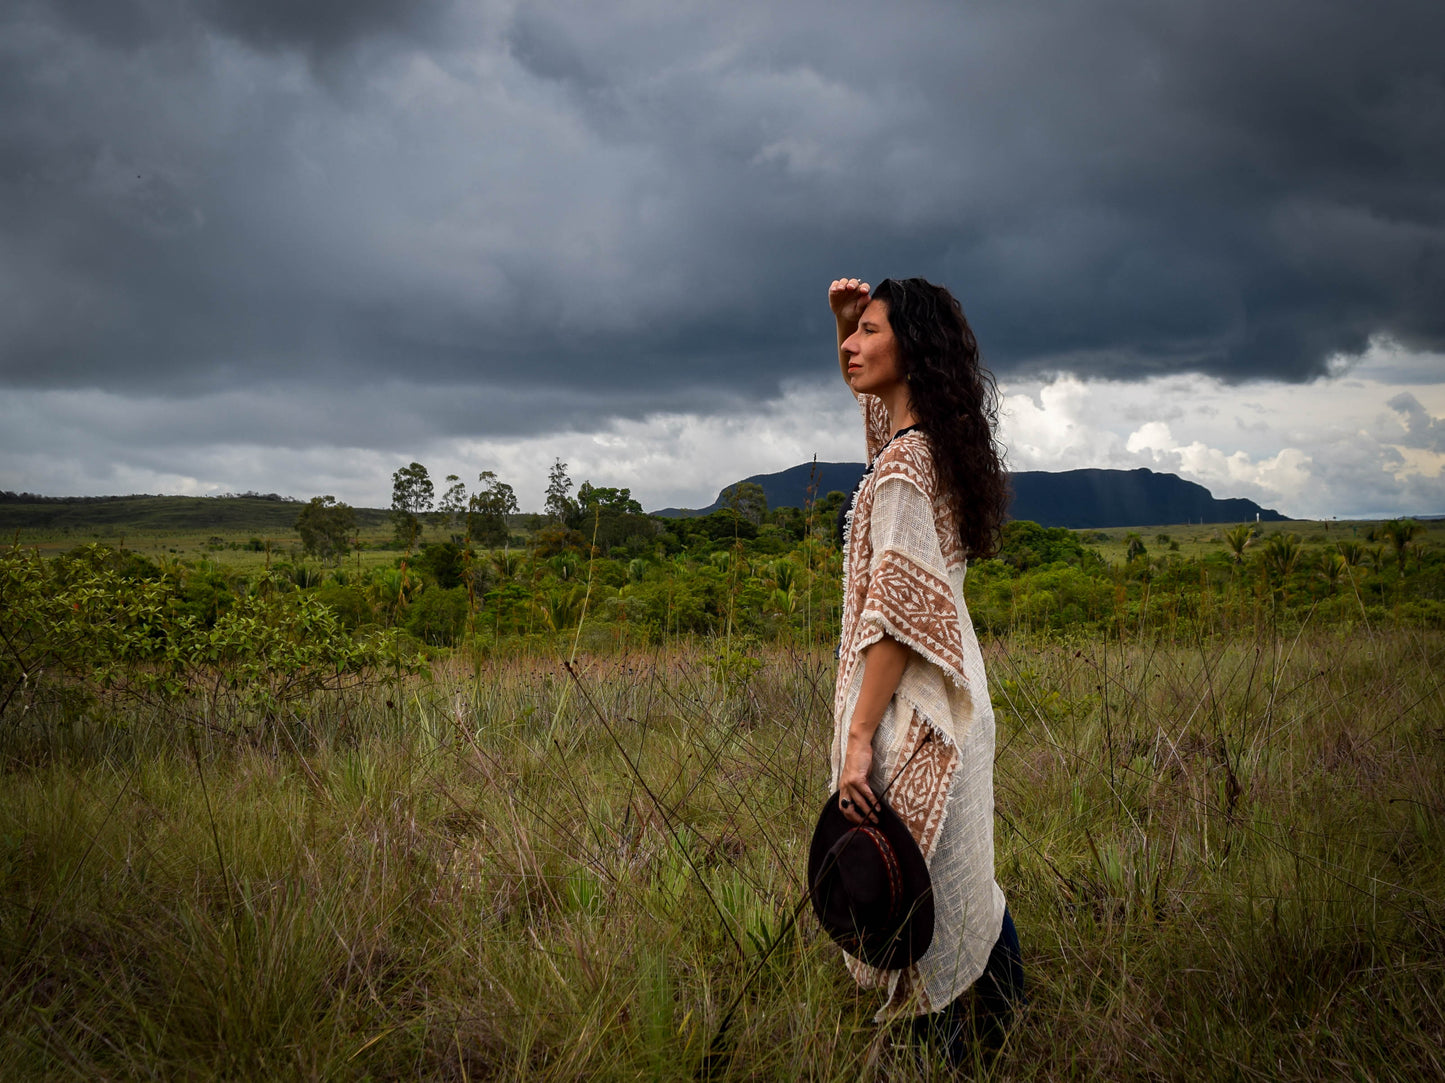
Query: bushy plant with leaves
x=76 y=627
x=72 y=620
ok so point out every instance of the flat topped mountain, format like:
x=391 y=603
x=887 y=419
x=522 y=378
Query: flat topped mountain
x=1078 y=499
x=1085 y=499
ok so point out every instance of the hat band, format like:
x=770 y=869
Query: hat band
x=890 y=866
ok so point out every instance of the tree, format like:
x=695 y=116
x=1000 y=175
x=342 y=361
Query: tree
x=825 y=515
x=560 y=506
x=326 y=525
x=748 y=500
x=556 y=538
x=610 y=516
x=1024 y=544
x=488 y=509
x=453 y=505
x=444 y=562
x=411 y=498
x=591 y=499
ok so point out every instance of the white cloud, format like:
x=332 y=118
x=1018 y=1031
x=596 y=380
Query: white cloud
x=90 y=442
x=1152 y=436
x=1359 y=444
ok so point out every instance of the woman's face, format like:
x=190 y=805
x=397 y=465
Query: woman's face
x=872 y=352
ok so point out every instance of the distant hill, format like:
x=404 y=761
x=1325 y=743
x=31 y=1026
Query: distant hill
x=787 y=488
x=1085 y=499
x=1078 y=499
x=26 y=511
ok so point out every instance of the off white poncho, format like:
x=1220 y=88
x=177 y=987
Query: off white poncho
x=903 y=570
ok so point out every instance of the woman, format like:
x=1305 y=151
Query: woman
x=911 y=712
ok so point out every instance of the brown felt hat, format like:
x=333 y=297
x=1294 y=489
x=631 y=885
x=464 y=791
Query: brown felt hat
x=870 y=888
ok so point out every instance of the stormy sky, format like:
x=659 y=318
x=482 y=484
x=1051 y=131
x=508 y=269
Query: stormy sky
x=283 y=246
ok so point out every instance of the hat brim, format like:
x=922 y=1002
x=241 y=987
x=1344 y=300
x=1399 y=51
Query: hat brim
x=886 y=949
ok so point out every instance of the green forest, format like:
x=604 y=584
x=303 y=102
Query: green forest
x=469 y=571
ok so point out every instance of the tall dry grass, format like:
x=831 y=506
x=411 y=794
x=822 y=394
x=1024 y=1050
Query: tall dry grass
x=1226 y=860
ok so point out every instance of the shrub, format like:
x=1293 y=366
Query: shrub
x=438 y=615
x=75 y=627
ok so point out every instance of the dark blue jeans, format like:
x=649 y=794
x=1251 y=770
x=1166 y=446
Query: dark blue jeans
x=1001 y=987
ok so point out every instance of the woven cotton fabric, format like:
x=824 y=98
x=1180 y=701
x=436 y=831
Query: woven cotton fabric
x=903 y=572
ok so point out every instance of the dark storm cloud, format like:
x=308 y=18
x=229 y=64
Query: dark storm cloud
x=646 y=201
x=316 y=26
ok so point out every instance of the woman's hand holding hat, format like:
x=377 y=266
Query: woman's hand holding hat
x=855 y=796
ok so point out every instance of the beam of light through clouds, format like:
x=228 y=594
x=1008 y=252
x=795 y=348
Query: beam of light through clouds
x=251 y=244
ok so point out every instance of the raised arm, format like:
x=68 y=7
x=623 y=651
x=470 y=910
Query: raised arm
x=847 y=297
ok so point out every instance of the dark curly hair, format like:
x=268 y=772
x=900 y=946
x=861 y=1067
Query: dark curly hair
x=956 y=402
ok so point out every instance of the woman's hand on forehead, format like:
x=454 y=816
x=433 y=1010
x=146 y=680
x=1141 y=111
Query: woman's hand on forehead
x=848 y=297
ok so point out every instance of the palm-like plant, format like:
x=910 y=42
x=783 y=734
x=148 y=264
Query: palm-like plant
x=1399 y=533
x=390 y=589
x=306 y=575
x=1238 y=540
x=1281 y=555
x=507 y=563
x=563 y=608
x=1332 y=568
x=783 y=574
x=1375 y=557
x=1352 y=552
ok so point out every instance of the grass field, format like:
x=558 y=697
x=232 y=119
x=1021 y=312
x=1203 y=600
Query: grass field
x=241 y=532
x=247 y=534
x=1199 y=540
x=1226 y=860
x=234 y=551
